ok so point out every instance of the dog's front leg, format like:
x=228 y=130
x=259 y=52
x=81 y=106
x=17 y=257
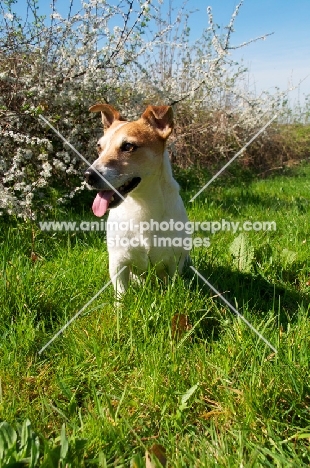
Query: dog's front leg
x=119 y=278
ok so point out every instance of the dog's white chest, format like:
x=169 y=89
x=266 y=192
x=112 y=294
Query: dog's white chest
x=143 y=236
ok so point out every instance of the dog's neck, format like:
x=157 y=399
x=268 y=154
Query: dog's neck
x=151 y=194
x=161 y=181
x=167 y=170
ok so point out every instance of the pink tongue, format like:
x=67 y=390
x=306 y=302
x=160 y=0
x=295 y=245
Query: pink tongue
x=101 y=202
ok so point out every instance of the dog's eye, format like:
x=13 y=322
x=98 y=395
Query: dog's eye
x=98 y=147
x=128 y=146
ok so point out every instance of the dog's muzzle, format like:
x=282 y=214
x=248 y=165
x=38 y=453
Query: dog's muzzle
x=107 y=197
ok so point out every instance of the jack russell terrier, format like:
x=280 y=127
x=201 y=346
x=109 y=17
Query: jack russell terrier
x=133 y=177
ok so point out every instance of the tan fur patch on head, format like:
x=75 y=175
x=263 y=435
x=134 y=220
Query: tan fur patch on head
x=108 y=114
x=138 y=145
x=131 y=143
x=160 y=118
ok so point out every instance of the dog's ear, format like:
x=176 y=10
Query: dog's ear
x=108 y=114
x=161 y=118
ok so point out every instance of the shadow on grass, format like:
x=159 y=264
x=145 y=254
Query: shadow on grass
x=246 y=198
x=236 y=177
x=248 y=291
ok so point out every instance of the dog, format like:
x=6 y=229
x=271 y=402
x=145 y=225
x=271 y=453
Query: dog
x=134 y=181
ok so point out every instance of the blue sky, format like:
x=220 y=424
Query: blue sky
x=281 y=60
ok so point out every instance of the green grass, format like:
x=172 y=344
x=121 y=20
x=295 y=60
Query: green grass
x=115 y=381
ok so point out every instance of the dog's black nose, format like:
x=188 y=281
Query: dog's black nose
x=91 y=177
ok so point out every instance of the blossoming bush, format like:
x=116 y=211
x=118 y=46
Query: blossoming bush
x=128 y=55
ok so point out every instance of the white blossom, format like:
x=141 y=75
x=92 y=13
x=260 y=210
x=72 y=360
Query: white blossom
x=85 y=57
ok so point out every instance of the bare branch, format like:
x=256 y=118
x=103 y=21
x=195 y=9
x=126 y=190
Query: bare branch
x=260 y=38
